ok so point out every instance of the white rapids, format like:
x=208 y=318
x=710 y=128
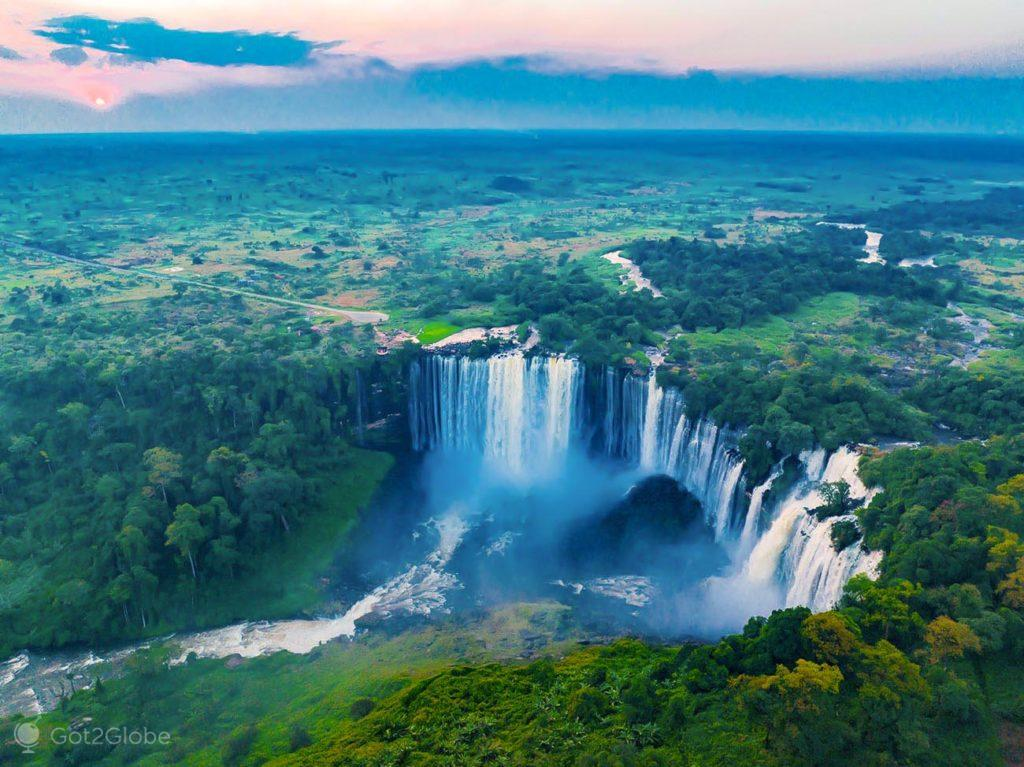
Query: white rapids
x=31 y=683
x=796 y=549
x=522 y=416
x=633 y=273
x=874 y=239
x=418 y=590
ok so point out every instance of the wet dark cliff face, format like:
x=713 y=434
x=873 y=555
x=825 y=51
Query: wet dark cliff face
x=562 y=439
x=377 y=396
x=656 y=513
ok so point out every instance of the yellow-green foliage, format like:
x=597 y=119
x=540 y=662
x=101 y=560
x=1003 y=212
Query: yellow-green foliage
x=435 y=331
x=795 y=689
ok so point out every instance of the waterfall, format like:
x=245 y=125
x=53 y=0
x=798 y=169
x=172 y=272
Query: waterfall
x=651 y=438
x=752 y=521
x=797 y=550
x=816 y=572
x=762 y=565
x=612 y=422
x=653 y=432
x=360 y=387
x=522 y=415
x=519 y=414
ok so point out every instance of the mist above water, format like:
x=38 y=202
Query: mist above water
x=533 y=453
x=540 y=479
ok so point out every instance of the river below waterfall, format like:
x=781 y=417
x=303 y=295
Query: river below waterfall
x=522 y=465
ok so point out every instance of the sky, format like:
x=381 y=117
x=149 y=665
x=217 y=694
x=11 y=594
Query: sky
x=124 y=65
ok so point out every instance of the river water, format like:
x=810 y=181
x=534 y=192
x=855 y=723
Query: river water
x=511 y=467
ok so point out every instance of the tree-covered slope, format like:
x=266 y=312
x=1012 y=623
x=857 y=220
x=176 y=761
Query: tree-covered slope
x=169 y=466
x=911 y=669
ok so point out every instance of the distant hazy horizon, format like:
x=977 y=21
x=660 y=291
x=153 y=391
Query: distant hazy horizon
x=735 y=133
x=637 y=101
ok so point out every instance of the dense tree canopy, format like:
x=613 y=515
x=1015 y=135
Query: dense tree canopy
x=141 y=475
x=709 y=284
x=895 y=675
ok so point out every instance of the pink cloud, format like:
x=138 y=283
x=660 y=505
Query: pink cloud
x=668 y=36
x=103 y=81
x=103 y=85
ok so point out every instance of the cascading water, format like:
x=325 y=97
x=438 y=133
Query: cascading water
x=522 y=417
x=815 y=572
x=653 y=432
x=519 y=414
x=797 y=550
x=523 y=414
x=762 y=564
x=360 y=409
x=753 y=520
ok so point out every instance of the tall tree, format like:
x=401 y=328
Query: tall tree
x=164 y=467
x=187 y=533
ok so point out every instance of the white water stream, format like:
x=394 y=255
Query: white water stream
x=874 y=239
x=31 y=682
x=522 y=416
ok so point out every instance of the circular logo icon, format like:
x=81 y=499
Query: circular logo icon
x=26 y=735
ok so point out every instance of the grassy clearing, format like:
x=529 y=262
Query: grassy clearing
x=772 y=334
x=998 y=361
x=436 y=330
x=993 y=314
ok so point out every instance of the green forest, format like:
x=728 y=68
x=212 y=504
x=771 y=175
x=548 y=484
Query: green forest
x=919 y=667
x=201 y=415
x=159 y=479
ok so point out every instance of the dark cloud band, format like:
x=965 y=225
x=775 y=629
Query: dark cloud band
x=72 y=56
x=148 y=40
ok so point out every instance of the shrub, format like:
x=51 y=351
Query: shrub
x=238 y=744
x=845 y=532
x=587 y=705
x=360 y=708
x=298 y=737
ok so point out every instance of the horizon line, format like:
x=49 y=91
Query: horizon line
x=865 y=133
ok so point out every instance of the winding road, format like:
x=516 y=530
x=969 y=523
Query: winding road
x=358 y=316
